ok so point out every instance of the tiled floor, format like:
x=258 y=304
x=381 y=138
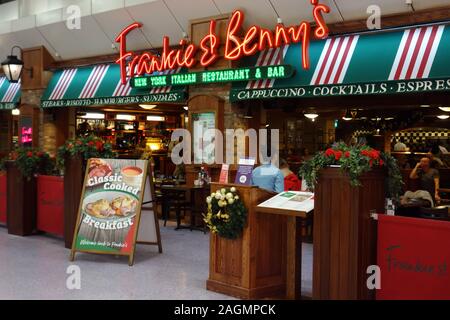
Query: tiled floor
x=35 y=268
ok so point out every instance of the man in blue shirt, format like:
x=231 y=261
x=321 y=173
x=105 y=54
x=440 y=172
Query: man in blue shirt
x=269 y=177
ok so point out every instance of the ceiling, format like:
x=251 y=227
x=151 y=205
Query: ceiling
x=43 y=22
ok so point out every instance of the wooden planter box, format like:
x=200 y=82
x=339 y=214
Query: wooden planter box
x=73 y=184
x=345 y=239
x=50 y=204
x=21 y=202
x=3 y=195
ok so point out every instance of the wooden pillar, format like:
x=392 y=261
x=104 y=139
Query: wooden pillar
x=344 y=234
x=21 y=202
x=73 y=184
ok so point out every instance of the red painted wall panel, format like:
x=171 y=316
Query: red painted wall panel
x=50 y=206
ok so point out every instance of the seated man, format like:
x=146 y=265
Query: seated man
x=428 y=178
x=268 y=177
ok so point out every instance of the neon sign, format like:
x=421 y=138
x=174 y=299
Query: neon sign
x=255 y=39
x=214 y=76
x=26 y=135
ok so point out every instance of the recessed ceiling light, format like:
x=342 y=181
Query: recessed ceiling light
x=93 y=116
x=444 y=117
x=156 y=118
x=425 y=106
x=126 y=117
x=445 y=109
x=186 y=108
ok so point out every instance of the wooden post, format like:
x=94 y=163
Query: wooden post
x=73 y=185
x=21 y=202
x=344 y=234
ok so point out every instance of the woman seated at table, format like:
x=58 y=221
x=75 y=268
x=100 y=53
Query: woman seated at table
x=291 y=181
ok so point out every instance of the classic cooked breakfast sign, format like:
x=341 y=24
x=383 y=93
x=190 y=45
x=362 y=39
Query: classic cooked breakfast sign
x=239 y=43
x=110 y=207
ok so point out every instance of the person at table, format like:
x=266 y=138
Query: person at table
x=400 y=146
x=291 y=181
x=435 y=156
x=428 y=178
x=267 y=176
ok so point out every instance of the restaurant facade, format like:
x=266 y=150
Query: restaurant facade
x=316 y=84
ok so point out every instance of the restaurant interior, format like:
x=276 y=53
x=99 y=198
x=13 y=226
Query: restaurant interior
x=135 y=132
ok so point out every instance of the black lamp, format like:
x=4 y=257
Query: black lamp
x=13 y=66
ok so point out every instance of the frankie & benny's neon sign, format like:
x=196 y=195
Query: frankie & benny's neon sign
x=256 y=39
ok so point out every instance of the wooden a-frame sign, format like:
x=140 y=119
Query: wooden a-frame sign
x=110 y=210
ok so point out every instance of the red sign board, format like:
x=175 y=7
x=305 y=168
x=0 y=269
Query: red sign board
x=414 y=257
x=50 y=205
x=236 y=46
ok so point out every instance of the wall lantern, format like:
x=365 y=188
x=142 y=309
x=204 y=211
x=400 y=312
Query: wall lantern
x=13 y=67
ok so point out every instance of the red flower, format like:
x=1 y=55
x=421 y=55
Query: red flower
x=347 y=154
x=371 y=163
x=91 y=143
x=381 y=162
x=99 y=146
x=374 y=154
x=40 y=154
x=29 y=154
x=79 y=142
x=69 y=146
x=338 y=155
x=365 y=153
x=329 y=152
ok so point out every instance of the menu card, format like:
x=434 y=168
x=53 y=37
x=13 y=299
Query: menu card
x=224 y=173
x=245 y=169
x=291 y=200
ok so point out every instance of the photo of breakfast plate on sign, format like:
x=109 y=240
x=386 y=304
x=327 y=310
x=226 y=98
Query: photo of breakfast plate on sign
x=111 y=205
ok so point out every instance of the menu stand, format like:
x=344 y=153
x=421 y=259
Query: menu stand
x=252 y=266
x=293 y=247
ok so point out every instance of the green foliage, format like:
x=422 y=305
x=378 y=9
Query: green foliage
x=227 y=214
x=354 y=161
x=85 y=147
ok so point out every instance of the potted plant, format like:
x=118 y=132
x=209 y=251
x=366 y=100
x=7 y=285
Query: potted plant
x=71 y=160
x=349 y=182
x=354 y=161
x=22 y=167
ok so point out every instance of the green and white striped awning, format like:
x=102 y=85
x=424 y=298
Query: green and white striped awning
x=9 y=94
x=392 y=62
x=101 y=85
